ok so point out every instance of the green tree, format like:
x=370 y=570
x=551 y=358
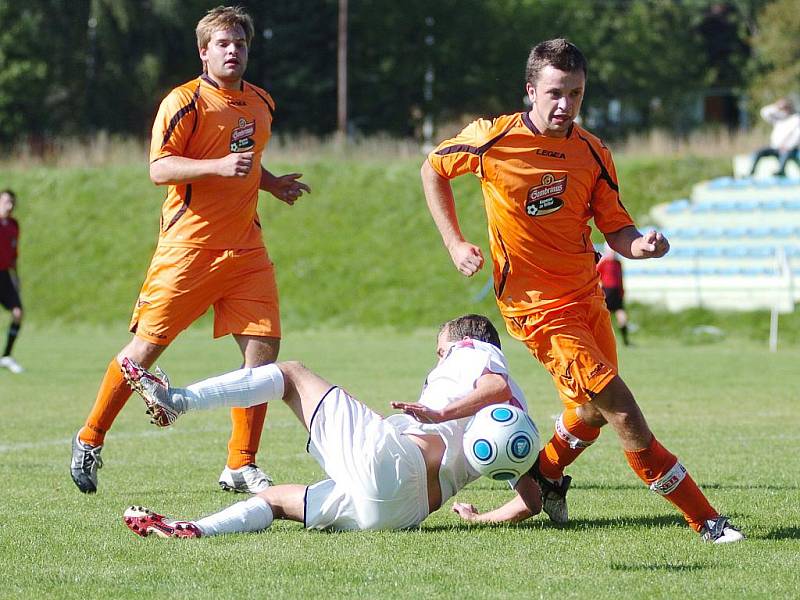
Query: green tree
x=23 y=71
x=776 y=49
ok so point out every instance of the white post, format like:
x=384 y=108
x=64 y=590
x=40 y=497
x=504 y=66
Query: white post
x=783 y=303
x=773 y=329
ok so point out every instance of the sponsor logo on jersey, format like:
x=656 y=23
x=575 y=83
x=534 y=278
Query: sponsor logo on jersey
x=550 y=153
x=543 y=199
x=242 y=136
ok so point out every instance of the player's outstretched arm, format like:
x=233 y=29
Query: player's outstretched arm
x=631 y=243
x=525 y=504
x=466 y=257
x=490 y=388
x=285 y=188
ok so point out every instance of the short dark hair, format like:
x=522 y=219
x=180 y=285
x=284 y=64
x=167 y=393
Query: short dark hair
x=476 y=327
x=10 y=193
x=559 y=53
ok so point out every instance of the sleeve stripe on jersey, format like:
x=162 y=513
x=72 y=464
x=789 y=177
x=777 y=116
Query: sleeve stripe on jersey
x=173 y=122
x=479 y=150
x=603 y=171
x=183 y=208
x=270 y=107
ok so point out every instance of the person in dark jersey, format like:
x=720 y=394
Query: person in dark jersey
x=9 y=276
x=610 y=269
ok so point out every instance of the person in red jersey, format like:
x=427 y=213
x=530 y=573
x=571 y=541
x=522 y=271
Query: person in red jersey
x=543 y=179
x=610 y=269
x=9 y=276
x=208 y=140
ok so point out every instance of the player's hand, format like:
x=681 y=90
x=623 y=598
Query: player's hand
x=652 y=244
x=236 y=164
x=466 y=511
x=422 y=413
x=467 y=258
x=287 y=188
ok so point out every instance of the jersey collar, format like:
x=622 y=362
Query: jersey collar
x=526 y=119
x=215 y=85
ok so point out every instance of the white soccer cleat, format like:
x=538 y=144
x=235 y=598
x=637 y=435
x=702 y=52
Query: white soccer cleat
x=12 y=365
x=144 y=522
x=163 y=405
x=720 y=531
x=248 y=479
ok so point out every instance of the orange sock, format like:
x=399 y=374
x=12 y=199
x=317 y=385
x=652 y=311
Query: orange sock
x=111 y=397
x=246 y=435
x=572 y=437
x=659 y=468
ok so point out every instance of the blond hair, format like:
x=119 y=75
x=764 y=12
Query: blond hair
x=224 y=17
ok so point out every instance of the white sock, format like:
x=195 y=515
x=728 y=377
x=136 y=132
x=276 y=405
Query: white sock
x=242 y=388
x=253 y=514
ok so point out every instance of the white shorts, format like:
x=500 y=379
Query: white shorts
x=377 y=475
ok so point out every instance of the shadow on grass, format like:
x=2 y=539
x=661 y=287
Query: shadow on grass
x=704 y=486
x=668 y=567
x=784 y=533
x=542 y=523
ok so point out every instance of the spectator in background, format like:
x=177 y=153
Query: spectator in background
x=9 y=281
x=610 y=269
x=785 y=137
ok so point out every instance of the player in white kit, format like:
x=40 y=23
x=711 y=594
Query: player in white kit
x=384 y=473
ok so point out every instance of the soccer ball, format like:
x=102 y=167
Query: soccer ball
x=501 y=442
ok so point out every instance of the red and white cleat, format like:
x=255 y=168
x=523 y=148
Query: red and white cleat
x=162 y=405
x=143 y=522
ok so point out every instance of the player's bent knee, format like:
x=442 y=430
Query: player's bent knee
x=291 y=368
x=591 y=416
x=292 y=371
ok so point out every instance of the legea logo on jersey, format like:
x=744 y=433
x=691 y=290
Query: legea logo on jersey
x=542 y=199
x=242 y=136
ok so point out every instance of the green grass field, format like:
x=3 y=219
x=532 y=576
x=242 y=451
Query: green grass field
x=728 y=409
x=363 y=249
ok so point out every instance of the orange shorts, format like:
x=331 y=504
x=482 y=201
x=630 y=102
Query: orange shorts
x=575 y=343
x=182 y=283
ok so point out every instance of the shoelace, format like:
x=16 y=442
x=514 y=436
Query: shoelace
x=717 y=528
x=92 y=456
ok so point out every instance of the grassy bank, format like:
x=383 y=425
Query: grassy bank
x=360 y=250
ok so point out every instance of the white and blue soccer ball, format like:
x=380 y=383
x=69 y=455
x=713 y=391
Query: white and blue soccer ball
x=501 y=442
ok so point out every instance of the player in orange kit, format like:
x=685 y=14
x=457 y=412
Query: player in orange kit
x=543 y=178
x=208 y=139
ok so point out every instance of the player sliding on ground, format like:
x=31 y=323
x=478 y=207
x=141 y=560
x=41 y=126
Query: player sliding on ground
x=385 y=473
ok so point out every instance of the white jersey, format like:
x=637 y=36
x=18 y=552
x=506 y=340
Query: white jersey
x=452 y=379
x=785 y=128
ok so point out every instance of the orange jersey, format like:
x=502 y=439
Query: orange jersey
x=200 y=120
x=539 y=193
